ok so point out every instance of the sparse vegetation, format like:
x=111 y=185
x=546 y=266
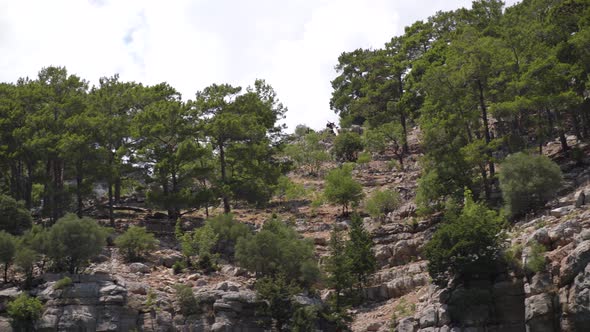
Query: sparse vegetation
x=62 y=283
x=342 y=189
x=382 y=202
x=135 y=243
x=535 y=261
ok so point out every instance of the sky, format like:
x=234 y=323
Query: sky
x=191 y=44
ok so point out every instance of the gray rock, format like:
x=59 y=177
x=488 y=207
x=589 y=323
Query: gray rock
x=580 y=199
x=574 y=263
x=561 y=211
x=428 y=317
x=139 y=267
x=537 y=306
x=408 y=324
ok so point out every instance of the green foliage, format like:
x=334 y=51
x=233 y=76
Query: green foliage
x=277 y=292
x=305 y=319
x=72 y=241
x=7 y=251
x=228 y=230
x=374 y=141
x=199 y=242
x=25 y=309
x=14 y=217
x=178 y=266
x=339 y=271
x=25 y=259
x=342 y=189
x=465 y=245
x=278 y=249
x=186 y=299
x=382 y=202
x=308 y=153
x=528 y=182
x=513 y=256
x=135 y=243
x=289 y=190
x=62 y=283
x=347 y=145
x=363 y=158
x=359 y=251
x=535 y=261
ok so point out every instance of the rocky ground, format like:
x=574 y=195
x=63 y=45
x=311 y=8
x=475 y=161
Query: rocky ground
x=116 y=296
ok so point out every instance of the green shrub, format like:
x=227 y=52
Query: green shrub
x=63 y=283
x=289 y=190
x=465 y=245
x=342 y=189
x=14 y=217
x=278 y=249
x=347 y=145
x=186 y=300
x=308 y=153
x=24 y=309
x=513 y=256
x=528 y=182
x=72 y=241
x=136 y=243
x=7 y=251
x=536 y=262
x=382 y=202
x=277 y=293
x=199 y=242
x=363 y=158
x=374 y=140
x=228 y=229
x=178 y=267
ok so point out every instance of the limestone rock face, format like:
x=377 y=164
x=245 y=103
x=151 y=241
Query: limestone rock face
x=90 y=304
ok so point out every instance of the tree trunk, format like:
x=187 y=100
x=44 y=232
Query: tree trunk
x=111 y=214
x=484 y=117
x=403 y=119
x=5 y=273
x=226 y=206
x=29 y=186
x=563 y=140
x=118 y=190
x=79 y=180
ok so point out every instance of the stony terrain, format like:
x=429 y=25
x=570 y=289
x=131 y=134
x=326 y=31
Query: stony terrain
x=113 y=295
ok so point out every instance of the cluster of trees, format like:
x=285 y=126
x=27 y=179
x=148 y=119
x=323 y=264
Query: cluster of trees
x=481 y=83
x=59 y=138
x=65 y=246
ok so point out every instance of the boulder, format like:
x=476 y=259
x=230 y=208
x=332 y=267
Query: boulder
x=574 y=263
x=139 y=268
x=539 y=312
x=408 y=324
x=580 y=199
x=561 y=211
x=168 y=257
x=428 y=317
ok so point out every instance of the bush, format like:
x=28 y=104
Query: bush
x=62 y=283
x=178 y=266
x=347 y=145
x=24 y=310
x=382 y=202
x=535 y=261
x=528 y=182
x=278 y=249
x=466 y=245
x=342 y=189
x=277 y=293
x=228 y=229
x=7 y=251
x=186 y=300
x=72 y=241
x=14 y=217
x=308 y=153
x=136 y=243
x=199 y=242
x=289 y=190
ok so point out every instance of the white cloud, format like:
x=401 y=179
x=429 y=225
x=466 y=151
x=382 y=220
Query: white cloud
x=294 y=45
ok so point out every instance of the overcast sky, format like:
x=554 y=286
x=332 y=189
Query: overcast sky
x=292 y=44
